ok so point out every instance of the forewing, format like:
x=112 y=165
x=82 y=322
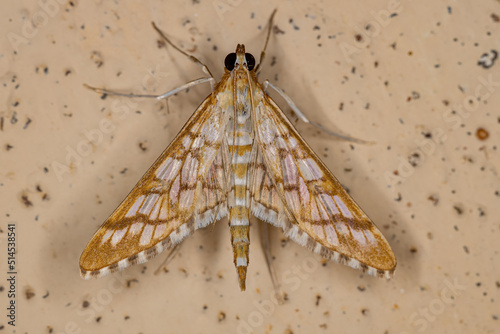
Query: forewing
x=319 y=213
x=182 y=191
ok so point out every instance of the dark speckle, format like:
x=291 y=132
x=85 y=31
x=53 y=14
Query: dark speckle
x=142 y=146
x=434 y=199
x=97 y=58
x=29 y=292
x=273 y=61
x=482 y=134
x=27 y=203
x=481 y=212
x=85 y=304
x=458 y=208
x=414 y=159
x=318 y=298
x=221 y=317
x=98 y=319
x=43 y=69
x=466 y=249
x=293 y=24
x=130 y=281
x=13 y=118
x=160 y=43
x=277 y=30
x=28 y=121
x=284 y=242
x=488 y=59
x=495 y=17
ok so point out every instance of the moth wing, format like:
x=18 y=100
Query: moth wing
x=181 y=192
x=315 y=210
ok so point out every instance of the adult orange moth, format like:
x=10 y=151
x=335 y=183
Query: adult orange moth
x=237 y=156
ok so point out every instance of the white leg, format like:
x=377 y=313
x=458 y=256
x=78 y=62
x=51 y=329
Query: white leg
x=186 y=86
x=304 y=118
x=158 y=97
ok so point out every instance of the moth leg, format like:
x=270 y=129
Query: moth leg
x=263 y=53
x=193 y=58
x=173 y=252
x=304 y=119
x=158 y=97
x=280 y=295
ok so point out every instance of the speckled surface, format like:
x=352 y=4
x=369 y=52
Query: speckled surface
x=418 y=78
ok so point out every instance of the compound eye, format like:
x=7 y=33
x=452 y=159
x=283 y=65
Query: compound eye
x=229 y=61
x=250 y=61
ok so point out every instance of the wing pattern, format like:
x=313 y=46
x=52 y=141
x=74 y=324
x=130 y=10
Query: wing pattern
x=183 y=191
x=293 y=189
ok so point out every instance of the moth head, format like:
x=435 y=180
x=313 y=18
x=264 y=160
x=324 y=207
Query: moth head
x=239 y=58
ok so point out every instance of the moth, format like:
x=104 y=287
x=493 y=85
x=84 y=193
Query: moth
x=238 y=156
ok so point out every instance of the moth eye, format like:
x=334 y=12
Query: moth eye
x=250 y=61
x=229 y=61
